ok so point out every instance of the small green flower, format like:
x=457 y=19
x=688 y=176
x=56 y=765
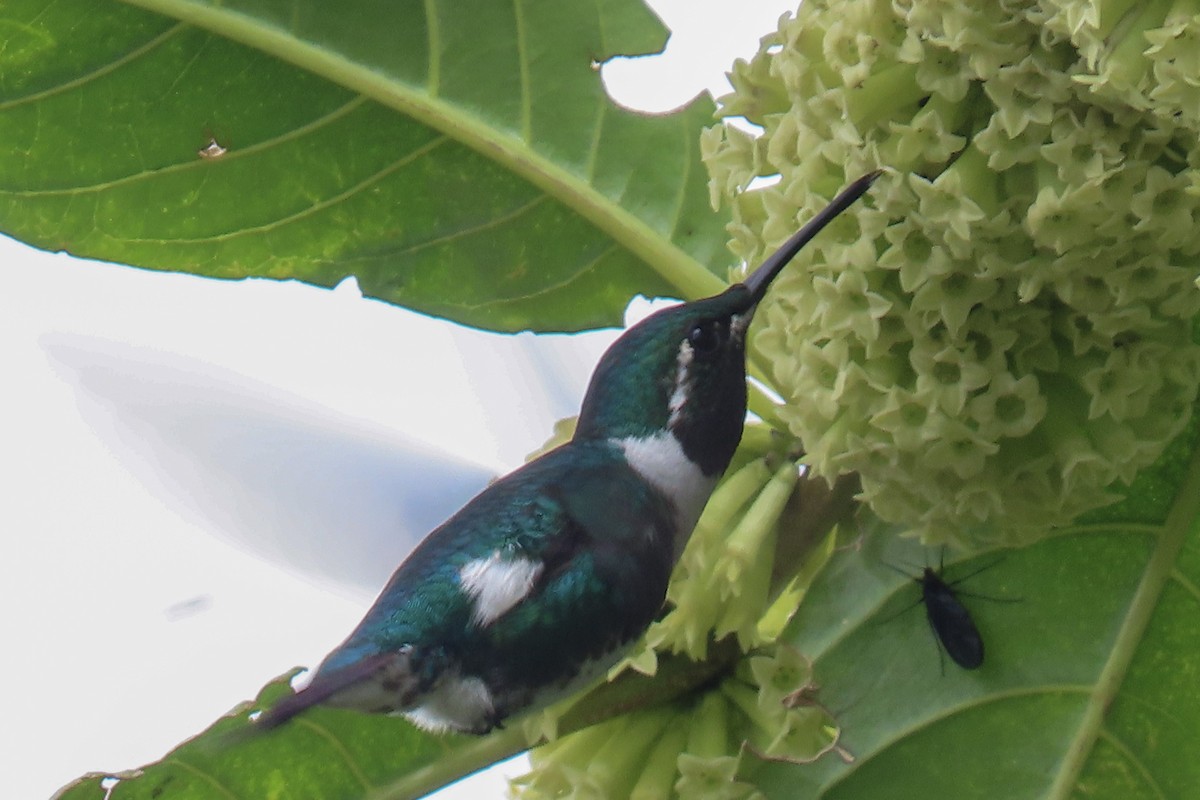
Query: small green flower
x=1165 y=207
x=903 y=418
x=1066 y=219
x=1175 y=53
x=780 y=673
x=1081 y=151
x=926 y=139
x=947 y=375
x=1023 y=96
x=1011 y=407
x=941 y=205
x=1004 y=151
x=849 y=306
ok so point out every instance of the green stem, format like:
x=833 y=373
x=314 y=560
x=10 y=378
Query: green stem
x=1128 y=44
x=742 y=544
x=730 y=497
x=1046 y=174
x=954 y=113
x=761 y=404
x=1020 y=180
x=658 y=775
x=758 y=367
x=617 y=765
x=978 y=179
x=811 y=45
x=1112 y=13
x=707 y=736
x=813 y=510
x=883 y=94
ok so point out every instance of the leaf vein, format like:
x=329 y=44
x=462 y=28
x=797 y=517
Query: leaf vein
x=1133 y=759
x=312 y=209
x=548 y=288
x=597 y=136
x=95 y=74
x=197 y=163
x=399 y=252
x=211 y=779
x=337 y=744
x=681 y=195
x=432 y=25
x=196 y=54
x=1146 y=528
x=523 y=71
x=1185 y=582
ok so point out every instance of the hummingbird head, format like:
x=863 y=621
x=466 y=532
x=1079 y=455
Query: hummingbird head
x=683 y=369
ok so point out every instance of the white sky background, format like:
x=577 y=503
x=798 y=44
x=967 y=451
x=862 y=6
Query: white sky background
x=161 y=430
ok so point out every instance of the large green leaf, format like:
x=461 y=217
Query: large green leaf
x=331 y=753
x=328 y=754
x=1088 y=687
x=460 y=158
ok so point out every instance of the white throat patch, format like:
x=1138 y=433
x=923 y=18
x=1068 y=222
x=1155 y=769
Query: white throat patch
x=660 y=460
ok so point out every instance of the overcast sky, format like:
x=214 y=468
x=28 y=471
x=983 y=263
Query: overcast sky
x=162 y=429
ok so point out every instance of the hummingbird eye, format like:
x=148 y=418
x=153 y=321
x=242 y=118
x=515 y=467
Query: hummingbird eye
x=705 y=337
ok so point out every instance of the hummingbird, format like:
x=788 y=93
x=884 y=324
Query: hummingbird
x=540 y=583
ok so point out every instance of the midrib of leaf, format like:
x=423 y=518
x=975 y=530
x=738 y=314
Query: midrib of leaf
x=690 y=277
x=1182 y=521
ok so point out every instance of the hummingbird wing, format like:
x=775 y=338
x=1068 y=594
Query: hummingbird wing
x=605 y=552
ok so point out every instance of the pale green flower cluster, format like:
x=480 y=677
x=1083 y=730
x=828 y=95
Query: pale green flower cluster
x=705 y=747
x=1003 y=328
x=1144 y=56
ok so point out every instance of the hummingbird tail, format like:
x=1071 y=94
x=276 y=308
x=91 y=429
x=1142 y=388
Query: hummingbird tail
x=381 y=673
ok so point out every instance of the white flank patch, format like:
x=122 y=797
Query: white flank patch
x=661 y=461
x=496 y=584
x=682 y=384
x=456 y=703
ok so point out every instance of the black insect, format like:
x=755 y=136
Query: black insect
x=951 y=623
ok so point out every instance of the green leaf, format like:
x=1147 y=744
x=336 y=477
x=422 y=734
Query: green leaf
x=459 y=158
x=327 y=753
x=334 y=753
x=1088 y=683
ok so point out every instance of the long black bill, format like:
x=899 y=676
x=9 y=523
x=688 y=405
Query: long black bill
x=761 y=278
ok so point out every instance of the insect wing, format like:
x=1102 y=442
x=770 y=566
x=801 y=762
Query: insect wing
x=951 y=622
